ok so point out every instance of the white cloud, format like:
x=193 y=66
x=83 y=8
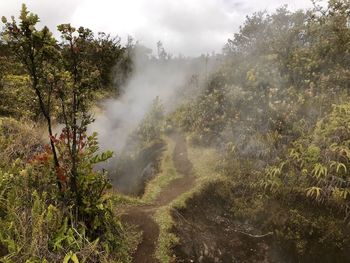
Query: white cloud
x=51 y=13
x=190 y=27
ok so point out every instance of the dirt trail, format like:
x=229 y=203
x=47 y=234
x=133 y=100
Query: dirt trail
x=142 y=216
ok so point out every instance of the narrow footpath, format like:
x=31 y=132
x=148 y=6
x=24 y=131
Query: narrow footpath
x=142 y=216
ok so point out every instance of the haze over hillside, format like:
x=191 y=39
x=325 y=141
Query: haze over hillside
x=119 y=149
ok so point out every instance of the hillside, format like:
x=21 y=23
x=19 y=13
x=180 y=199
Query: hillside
x=111 y=153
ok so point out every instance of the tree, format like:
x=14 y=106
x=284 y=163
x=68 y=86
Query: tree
x=84 y=77
x=106 y=52
x=62 y=75
x=38 y=52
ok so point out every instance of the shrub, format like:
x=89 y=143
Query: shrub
x=39 y=222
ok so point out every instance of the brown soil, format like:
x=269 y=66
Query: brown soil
x=183 y=167
x=142 y=216
x=208 y=233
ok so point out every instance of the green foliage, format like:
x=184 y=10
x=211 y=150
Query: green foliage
x=29 y=55
x=318 y=163
x=277 y=110
x=34 y=211
x=313 y=172
x=207 y=116
x=268 y=109
x=15 y=88
x=63 y=211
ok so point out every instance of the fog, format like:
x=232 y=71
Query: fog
x=151 y=78
x=162 y=78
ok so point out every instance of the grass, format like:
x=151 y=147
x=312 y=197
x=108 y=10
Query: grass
x=204 y=162
x=133 y=237
x=121 y=199
x=166 y=239
x=165 y=177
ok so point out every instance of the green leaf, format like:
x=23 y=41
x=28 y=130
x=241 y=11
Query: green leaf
x=71 y=256
x=67 y=257
x=74 y=258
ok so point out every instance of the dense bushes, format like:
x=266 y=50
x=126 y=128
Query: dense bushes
x=279 y=115
x=206 y=116
x=317 y=163
x=35 y=211
x=54 y=202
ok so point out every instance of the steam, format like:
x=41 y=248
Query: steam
x=169 y=80
x=163 y=78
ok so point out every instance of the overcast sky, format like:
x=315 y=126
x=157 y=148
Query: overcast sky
x=189 y=27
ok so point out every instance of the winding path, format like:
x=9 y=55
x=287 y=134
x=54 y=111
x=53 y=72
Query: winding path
x=142 y=216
